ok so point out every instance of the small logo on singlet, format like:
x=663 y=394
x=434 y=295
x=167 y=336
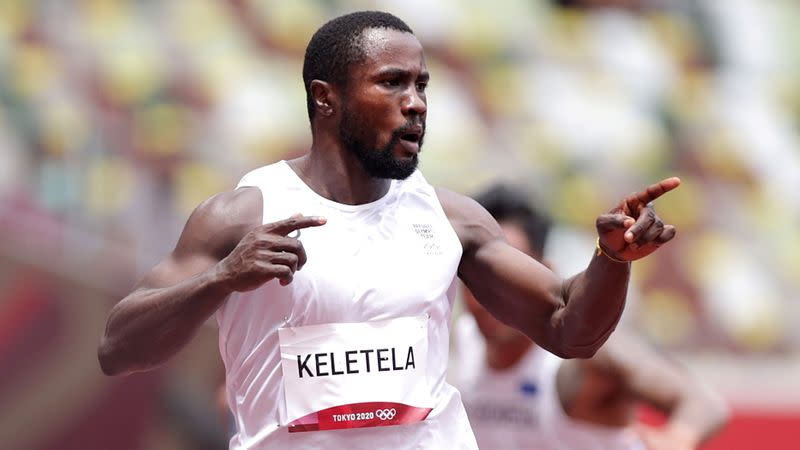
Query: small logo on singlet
x=386 y=414
x=426 y=232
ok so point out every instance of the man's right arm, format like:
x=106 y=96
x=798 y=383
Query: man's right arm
x=168 y=305
x=222 y=249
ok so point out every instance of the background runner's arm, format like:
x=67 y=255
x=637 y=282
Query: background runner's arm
x=695 y=412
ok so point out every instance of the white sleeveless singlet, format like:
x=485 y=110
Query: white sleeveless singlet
x=392 y=260
x=519 y=408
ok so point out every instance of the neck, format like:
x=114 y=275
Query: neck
x=504 y=355
x=335 y=173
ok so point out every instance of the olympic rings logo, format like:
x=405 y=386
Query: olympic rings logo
x=385 y=414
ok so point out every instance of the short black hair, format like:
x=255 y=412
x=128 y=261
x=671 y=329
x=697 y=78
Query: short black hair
x=568 y=3
x=510 y=204
x=336 y=46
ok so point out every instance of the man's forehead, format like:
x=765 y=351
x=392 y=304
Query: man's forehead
x=378 y=42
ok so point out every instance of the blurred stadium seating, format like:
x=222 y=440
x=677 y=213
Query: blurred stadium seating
x=118 y=117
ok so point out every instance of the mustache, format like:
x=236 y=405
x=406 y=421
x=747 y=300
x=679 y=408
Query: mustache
x=398 y=132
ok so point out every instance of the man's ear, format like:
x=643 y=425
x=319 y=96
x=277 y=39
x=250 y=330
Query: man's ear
x=324 y=96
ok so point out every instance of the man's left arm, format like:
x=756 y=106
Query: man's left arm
x=573 y=317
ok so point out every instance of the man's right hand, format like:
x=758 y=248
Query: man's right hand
x=265 y=253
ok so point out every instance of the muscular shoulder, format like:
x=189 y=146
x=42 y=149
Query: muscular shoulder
x=472 y=223
x=220 y=222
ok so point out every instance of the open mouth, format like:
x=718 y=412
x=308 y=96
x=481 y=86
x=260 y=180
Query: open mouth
x=413 y=134
x=411 y=137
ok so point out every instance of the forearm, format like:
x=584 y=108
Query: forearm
x=594 y=300
x=152 y=324
x=698 y=415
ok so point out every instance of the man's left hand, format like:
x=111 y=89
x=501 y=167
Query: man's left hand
x=632 y=229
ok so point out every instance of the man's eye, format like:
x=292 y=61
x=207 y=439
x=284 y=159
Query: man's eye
x=422 y=86
x=392 y=83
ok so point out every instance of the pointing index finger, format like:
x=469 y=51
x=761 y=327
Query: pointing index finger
x=652 y=192
x=296 y=222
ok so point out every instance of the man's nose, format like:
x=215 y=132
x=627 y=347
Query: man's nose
x=414 y=103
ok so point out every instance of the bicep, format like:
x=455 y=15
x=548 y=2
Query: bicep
x=513 y=286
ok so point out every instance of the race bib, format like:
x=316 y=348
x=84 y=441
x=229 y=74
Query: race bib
x=355 y=375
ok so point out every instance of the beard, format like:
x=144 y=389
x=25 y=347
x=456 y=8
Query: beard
x=377 y=162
